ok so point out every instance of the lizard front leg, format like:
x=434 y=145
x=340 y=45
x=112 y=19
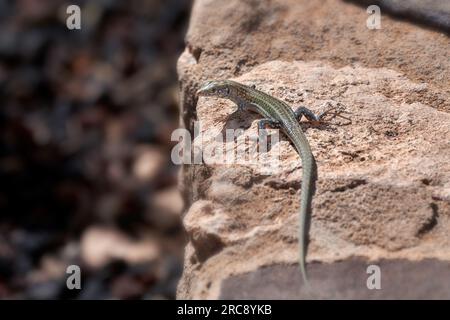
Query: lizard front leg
x=263 y=123
x=262 y=132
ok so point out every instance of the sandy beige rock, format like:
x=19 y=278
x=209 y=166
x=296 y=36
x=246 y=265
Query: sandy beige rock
x=384 y=179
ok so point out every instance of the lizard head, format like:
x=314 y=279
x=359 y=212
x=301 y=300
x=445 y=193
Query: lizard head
x=218 y=88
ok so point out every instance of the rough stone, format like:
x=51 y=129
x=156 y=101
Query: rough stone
x=383 y=193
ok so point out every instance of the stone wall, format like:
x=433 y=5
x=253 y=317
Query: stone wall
x=383 y=193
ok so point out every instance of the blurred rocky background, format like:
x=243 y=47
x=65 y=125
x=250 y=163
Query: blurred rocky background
x=85 y=173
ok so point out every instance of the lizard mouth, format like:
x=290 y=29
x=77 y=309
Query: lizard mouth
x=205 y=93
x=206 y=89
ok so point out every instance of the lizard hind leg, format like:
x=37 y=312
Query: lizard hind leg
x=312 y=117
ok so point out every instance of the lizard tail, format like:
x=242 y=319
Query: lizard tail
x=307 y=192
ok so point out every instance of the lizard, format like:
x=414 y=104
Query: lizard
x=277 y=114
